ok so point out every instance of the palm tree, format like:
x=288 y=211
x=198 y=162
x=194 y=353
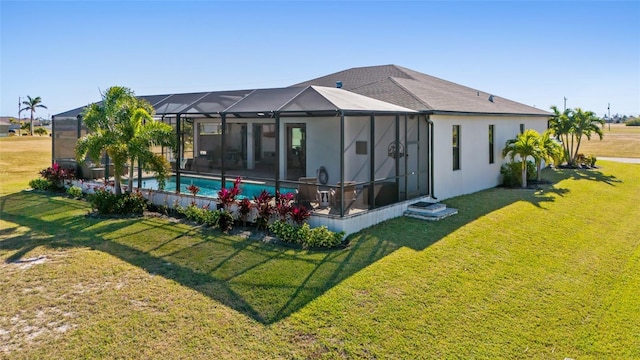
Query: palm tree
x=31 y=104
x=549 y=150
x=123 y=127
x=562 y=127
x=585 y=123
x=524 y=146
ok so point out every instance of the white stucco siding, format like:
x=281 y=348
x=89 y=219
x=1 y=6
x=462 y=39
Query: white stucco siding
x=356 y=166
x=475 y=172
x=385 y=134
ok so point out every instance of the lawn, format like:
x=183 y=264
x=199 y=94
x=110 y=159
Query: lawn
x=517 y=273
x=618 y=141
x=21 y=157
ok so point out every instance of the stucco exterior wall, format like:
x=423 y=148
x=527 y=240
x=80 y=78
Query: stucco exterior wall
x=475 y=172
x=323 y=146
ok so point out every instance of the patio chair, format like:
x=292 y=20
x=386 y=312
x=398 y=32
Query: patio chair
x=308 y=190
x=349 y=194
x=201 y=164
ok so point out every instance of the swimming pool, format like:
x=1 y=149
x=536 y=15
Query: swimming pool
x=210 y=187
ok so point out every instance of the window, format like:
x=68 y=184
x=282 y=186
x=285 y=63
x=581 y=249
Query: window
x=456 y=147
x=521 y=128
x=491 y=149
x=210 y=128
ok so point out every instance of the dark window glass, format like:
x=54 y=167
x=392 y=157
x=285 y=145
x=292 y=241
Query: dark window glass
x=456 y=147
x=491 y=148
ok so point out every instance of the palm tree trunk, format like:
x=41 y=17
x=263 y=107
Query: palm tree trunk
x=524 y=173
x=31 y=124
x=131 y=176
x=116 y=181
x=578 y=145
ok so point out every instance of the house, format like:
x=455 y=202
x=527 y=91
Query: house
x=373 y=140
x=469 y=127
x=4 y=126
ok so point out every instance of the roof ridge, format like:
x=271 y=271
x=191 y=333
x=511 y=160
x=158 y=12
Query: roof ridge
x=411 y=93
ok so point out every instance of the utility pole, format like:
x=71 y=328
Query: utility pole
x=565 y=103
x=19 y=112
x=609 y=111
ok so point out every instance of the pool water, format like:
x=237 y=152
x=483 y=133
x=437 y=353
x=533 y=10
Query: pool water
x=210 y=187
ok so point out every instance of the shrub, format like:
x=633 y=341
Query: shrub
x=133 y=203
x=283 y=205
x=265 y=209
x=323 y=237
x=74 y=191
x=225 y=220
x=199 y=215
x=512 y=172
x=40 y=184
x=633 y=122
x=226 y=197
x=299 y=214
x=320 y=237
x=106 y=202
x=244 y=208
x=57 y=175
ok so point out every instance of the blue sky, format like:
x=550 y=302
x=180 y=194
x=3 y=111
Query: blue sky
x=533 y=52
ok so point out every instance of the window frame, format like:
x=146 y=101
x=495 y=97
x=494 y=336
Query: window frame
x=492 y=138
x=455 y=144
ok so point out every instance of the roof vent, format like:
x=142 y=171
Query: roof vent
x=491 y=98
x=339 y=84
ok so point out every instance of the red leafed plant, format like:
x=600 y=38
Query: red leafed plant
x=299 y=214
x=228 y=196
x=265 y=208
x=283 y=205
x=57 y=175
x=193 y=189
x=244 y=208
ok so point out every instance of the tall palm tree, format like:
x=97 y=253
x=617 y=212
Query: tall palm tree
x=525 y=145
x=31 y=104
x=562 y=127
x=549 y=150
x=123 y=127
x=585 y=123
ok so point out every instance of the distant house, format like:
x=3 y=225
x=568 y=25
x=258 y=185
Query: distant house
x=368 y=141
x=4 y=126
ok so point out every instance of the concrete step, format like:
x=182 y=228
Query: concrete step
x=429 y=211
x=431 y=217
x=427 y=208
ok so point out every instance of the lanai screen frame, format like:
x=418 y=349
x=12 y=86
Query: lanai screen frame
x=171 y=107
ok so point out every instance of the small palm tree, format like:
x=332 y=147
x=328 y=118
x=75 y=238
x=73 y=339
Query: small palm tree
x=549 y=150
x=31 y=104
x=525 y=145
x=562 y=127
x=123 y=127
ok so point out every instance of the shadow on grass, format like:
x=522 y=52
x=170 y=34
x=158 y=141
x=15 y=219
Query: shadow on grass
x=265 y=282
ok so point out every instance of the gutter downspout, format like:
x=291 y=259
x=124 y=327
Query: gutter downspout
x=431 y=176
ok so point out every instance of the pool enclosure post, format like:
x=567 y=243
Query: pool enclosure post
x=396 y=156
x=277 y=115
x=406 y=162
x=342 y=164
x=223 y=122
x=179 y=154
x=372 y=161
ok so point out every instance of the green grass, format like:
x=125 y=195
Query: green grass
x=516 y=274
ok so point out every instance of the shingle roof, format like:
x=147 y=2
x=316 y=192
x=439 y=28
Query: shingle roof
x=415 y=90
